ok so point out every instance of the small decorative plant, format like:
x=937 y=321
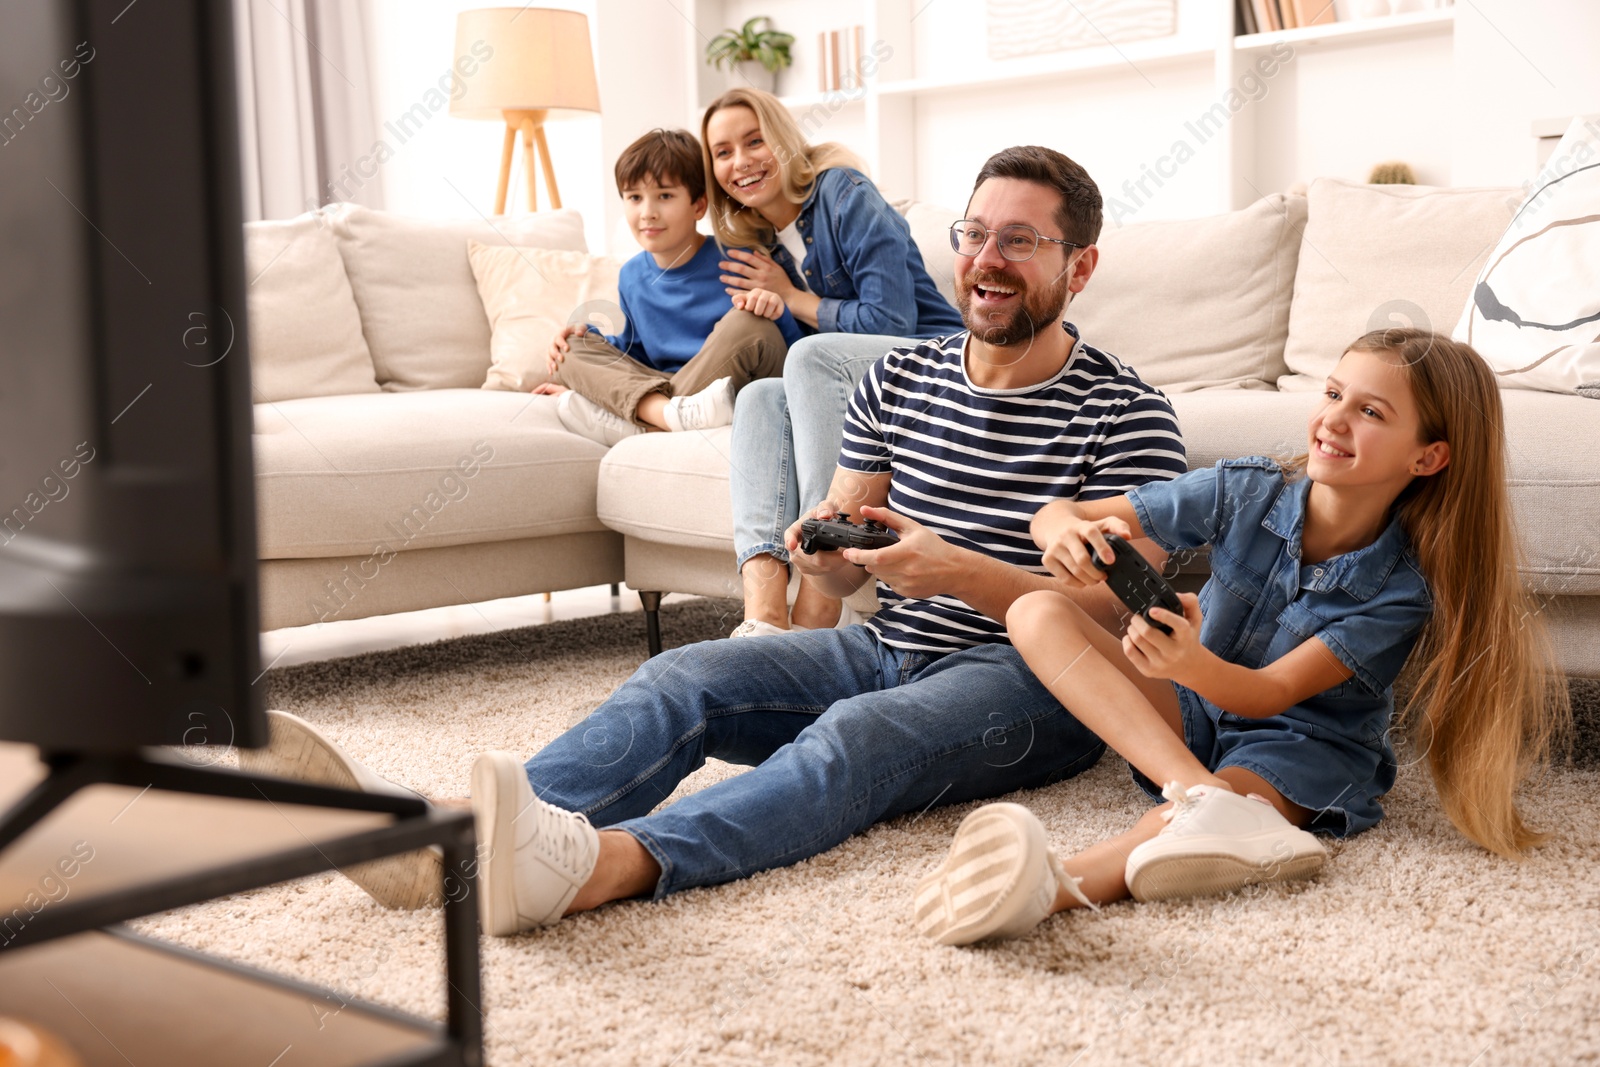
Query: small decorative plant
x=769 y=47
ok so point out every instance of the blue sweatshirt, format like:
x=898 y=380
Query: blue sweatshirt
x=670 y=313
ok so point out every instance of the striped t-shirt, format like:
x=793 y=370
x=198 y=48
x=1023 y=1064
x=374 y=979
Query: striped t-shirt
x=974 y=465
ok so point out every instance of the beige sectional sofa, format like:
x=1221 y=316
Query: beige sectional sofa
x=390 y=480
x=387 y=478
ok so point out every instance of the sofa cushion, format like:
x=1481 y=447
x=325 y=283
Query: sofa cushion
x=420 y=310
x=1384 y=255
x=305 y=331
x=1197 y=303
x=529 y=294
x=1555 y=489
x=338 y=476
x=670 y=487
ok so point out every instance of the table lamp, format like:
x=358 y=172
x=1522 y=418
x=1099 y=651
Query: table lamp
x=541 y=68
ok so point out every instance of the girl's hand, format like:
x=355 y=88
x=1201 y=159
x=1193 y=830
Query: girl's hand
x=548 y=389
x=763 y=302
x=1158 y=655
x=1067 y=551
x=747 y=269
x=559 y=346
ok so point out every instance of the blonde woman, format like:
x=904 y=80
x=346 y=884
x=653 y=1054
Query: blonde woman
x=844 y=264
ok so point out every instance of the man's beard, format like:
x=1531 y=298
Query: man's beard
x=1034 y=310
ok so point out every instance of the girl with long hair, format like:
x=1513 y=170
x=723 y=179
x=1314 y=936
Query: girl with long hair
x=1267 y=708
x=805 y=222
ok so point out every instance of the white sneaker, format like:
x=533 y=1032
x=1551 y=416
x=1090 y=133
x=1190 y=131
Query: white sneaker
x=999 y=880
x=296 y=749
x=535 y=856
x=757 y=628
x=587 y=419
x=1216 y=841
x=706 y=410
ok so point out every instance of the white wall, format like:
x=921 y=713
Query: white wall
x=449 y=167
x=1517 y=61
x=1457 y=106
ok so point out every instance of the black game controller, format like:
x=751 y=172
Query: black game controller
x=1136 y=583
x=826 y=535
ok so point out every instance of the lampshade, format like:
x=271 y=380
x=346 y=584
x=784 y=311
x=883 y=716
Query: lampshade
x=541 y=61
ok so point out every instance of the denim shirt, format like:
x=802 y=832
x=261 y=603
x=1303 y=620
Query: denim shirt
x=861 y=261
x=1367 y=606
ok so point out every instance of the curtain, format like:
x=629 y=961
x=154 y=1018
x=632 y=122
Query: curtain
x=305 y=104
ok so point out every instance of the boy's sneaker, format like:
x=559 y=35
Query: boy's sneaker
x=535 y=856
x=1216 y=841
x=999 y=880
x=706 y=410
x=296 y=749
x=585 y=418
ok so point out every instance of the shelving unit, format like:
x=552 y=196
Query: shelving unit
x=93 y=841
x=938 y=82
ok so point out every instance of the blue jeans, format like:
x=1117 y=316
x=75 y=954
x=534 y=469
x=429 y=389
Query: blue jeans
x=786 y=436
x=841 y=731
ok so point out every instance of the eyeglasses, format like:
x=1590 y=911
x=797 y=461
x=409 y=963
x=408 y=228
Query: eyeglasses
x=1016 y=243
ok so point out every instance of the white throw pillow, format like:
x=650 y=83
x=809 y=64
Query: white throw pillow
x=1376 y=256
x=1534 y=310
x=305 y=331
x=530 y=293
x=418 y=298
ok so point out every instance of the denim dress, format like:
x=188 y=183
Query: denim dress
x=1330 y=754
x=861 y=261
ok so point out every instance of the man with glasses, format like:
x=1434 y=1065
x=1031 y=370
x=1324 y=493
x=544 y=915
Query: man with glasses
x=954 y=444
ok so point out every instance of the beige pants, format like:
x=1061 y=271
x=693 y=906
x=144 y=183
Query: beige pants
x=742 y=346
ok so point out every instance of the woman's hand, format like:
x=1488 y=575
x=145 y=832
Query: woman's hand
x=559 y=346
x=1072 y=543
x=763 y=302
x=748 y=270
x=1174 y=656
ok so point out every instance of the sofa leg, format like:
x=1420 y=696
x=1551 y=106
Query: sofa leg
x=652 y=620
x=616 y=590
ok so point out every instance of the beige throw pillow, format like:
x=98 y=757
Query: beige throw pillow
x=1197 y=303
x=418 y=298
x=1376 y=256
x=305 y=331
x=530 y=293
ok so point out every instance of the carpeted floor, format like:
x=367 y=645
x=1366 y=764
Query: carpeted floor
x=1411 y=946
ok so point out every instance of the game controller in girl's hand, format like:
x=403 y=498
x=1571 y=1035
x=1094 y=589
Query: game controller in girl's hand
x=1136 y=583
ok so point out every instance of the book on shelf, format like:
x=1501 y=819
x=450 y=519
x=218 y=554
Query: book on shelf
x=839 y=55
x=1314 y=12
x=1286 y=14
x=1246 y=21
x=1266 y=15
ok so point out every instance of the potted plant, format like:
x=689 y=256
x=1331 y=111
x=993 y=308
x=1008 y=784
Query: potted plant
x=747 y=48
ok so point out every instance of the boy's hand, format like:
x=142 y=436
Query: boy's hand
x=1070 y=549
x=559 y=347
x=1158 y=655
x=763 y=302
x=754 y=270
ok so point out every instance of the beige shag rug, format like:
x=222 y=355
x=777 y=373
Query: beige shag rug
x=1411 y=947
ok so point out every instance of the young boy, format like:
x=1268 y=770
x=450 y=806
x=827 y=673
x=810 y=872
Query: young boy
x=685 y=349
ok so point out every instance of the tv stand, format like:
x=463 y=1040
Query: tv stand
x=91 y=840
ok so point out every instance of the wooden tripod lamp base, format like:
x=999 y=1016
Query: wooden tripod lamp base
x=530 y=124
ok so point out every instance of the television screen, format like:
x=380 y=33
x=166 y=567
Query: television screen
x=128 y=609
